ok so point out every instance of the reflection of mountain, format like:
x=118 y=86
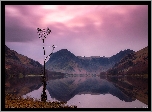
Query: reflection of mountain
x=132 y=86
x=66 y=62
x=65 y=89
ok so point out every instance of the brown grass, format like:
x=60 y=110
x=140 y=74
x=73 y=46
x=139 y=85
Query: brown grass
x=12 y=101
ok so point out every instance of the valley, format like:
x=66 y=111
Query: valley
x=125 y=71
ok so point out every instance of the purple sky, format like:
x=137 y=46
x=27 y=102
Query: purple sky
x=96 y=30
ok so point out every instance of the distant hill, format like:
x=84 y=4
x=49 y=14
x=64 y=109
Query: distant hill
x=132 y=64
x=66 y=62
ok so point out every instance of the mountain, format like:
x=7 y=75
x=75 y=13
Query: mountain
x=22 y=74
x=16 y=63
x=131 y=71
x=134 y=63
x=63 y=61
x=66 y=62
x=17 y=69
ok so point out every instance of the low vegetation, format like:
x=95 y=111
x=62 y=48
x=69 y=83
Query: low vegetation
x=12 y=101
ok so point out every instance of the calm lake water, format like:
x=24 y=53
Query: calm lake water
x=87 y=92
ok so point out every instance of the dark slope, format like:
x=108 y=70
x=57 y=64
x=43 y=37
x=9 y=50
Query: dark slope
x=132 y=64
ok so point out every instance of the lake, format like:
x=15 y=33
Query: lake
x=90 y=91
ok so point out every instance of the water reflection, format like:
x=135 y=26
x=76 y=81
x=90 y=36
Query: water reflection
x=94 y=91
x=103 y=101
x=66 y=88
x=136 y=87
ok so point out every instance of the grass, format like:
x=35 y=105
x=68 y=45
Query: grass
x=12 y=101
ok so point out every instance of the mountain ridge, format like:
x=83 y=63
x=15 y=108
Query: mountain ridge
x=66 y=62
x=27 y=65
x=131 y=64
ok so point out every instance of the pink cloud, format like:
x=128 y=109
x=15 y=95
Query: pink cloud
x=84 y=30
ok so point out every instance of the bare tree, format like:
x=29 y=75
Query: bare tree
x=42 y=35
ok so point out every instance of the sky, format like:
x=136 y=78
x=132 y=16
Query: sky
x=84 y=30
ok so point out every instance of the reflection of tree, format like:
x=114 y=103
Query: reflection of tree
x=42 y=35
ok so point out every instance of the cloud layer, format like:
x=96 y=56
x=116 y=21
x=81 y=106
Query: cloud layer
x=94 y=30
